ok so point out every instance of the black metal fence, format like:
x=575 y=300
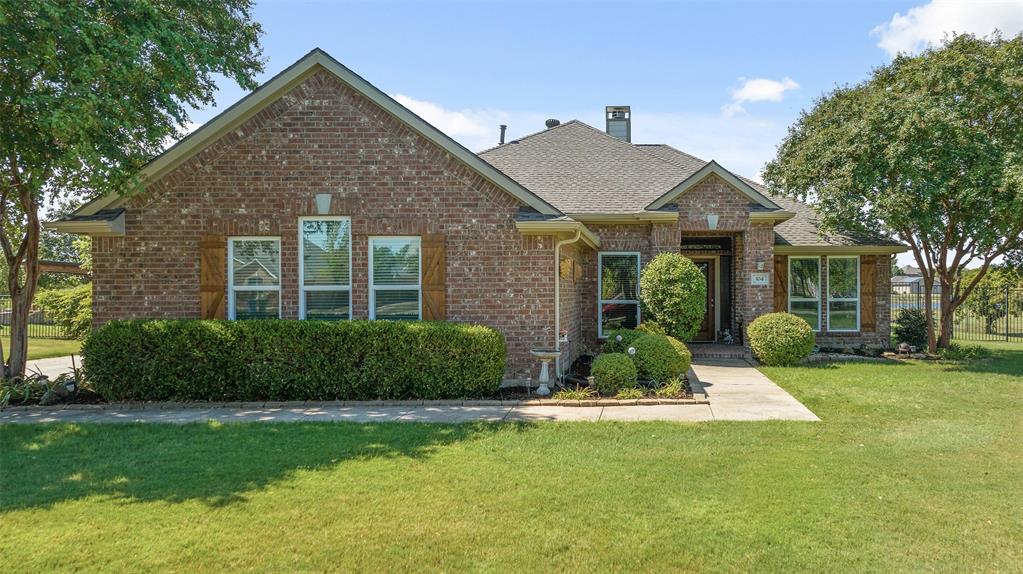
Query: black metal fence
x=39 y=325
x=990 y=313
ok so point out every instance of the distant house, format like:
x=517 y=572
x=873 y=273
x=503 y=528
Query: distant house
x=908 y=271
x=911 y=284
x=319 y=196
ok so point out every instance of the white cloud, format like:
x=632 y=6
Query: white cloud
x=930 y=23
x=190 y=127
x=758 y=90
x=476 y=129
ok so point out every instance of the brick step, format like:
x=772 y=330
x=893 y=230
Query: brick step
x=712 y=351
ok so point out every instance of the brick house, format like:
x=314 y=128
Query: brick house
x=318 y=196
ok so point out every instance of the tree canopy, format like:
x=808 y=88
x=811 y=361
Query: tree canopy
x=929 y=149
x=89 y=92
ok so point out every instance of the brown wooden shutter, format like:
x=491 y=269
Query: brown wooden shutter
x=868 y=296
x=212 y=277
x=434 y=304
x=781 y=283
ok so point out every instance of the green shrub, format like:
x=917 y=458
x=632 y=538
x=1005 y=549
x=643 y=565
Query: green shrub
x=629 y=394
x=70 y=308
x=957 y=352
x=674 y=388
x=911 y=327
x=780 y=339
x=619 y=340
x=673 y=291
x=613 y=372
x=650 y=328
x=658 y=359
x=292 y=360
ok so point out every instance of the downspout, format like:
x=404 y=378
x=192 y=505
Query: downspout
x=557 y=298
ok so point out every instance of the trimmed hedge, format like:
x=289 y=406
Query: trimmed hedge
x=613 y=372
x=660 y=358
x=197 y=360
x=673 y=291
x=613 y=345
x=780 y=339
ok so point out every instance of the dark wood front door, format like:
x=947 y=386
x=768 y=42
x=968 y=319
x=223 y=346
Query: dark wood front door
x=706 y=332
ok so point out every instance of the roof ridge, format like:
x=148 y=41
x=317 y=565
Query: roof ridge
x=527 y=136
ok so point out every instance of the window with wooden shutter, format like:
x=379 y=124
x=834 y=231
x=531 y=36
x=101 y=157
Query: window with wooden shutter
x=781 y=283
x=395 y=278
x=843 y=293
x=212 y=278
x=254 y=278
x=434 y=294
x=868 y=294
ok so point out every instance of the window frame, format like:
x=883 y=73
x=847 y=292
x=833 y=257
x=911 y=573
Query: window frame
x=858 y=299
x=601 y=301
x=302 y=287
x=371 y=279
x=232 y=288
x=820 y=291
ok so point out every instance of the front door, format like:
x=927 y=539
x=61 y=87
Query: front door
x=706 y=332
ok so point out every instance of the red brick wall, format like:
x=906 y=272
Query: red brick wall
x=322 y=137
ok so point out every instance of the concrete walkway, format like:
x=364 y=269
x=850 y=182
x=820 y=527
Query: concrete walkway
x=739 y=392
x=53 y=367
x=736 y=391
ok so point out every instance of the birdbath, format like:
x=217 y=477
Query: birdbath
x=545 y=356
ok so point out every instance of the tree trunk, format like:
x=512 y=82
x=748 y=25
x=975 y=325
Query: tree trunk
x=20 y=309
x=947 y=313
x=932 y=343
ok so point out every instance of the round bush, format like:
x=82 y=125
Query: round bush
x=683 y=352
x=627 y=336
x=673 y=291
x=650 y=328
x=780 y=339
x=658 y=359
x=911 y=327
x=613 y=372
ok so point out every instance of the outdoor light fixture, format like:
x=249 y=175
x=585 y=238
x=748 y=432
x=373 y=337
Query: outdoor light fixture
x=323 y=203
x=712 y=221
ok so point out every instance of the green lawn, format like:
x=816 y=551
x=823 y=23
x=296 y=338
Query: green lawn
x=46 y=348
x=914 y=467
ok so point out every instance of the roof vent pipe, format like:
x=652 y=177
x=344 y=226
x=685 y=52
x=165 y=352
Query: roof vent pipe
x=552 y=123
x=504 y=128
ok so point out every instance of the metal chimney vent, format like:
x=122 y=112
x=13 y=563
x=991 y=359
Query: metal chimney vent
x=619 y=122
x=552 y=123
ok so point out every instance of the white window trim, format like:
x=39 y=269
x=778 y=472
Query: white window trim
x=844 y=299
x=230 y=273
x=601 y=301
x=820 y=290
x=302 y=288
x=373 y=288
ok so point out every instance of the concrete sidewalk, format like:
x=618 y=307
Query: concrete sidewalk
x=739 y=392
x=736 y=391
x=53 y=367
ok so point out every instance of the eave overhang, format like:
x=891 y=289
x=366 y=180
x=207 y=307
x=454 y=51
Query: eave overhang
x=559 y=227
x=839 y=249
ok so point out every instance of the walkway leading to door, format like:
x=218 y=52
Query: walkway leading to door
x=739 y=392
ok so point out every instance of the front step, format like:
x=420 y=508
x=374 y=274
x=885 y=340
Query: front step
x=718 y=351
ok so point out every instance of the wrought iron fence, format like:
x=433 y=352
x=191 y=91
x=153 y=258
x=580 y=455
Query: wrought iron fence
x=990 y=313
x=39 y=325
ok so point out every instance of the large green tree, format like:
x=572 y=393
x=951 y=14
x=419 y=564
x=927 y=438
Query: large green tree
x=89 y=91
x=929 y=149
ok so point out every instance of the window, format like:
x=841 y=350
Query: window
x=844 y=293
x=618 y=291
x=804 y=289
x=254 y=278
x=394 y=278
x=325 y=264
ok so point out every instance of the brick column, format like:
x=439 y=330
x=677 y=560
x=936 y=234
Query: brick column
x=757 y=247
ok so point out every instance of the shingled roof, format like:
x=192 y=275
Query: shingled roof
x=580 y=169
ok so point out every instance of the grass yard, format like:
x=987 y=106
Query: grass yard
x=45 y=348
x=914 y=467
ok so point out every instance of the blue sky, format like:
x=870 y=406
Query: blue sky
x=719 y=80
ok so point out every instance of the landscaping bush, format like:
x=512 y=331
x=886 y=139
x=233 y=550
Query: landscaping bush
x=292 y=360
x=780 y=339
x=911 y=327
x=626 y=336
x=658 y=359
x=613 y=372
x=673 y=292
x=70 y=308
x=650 y=328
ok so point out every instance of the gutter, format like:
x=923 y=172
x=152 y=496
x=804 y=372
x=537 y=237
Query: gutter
x=557 y=298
